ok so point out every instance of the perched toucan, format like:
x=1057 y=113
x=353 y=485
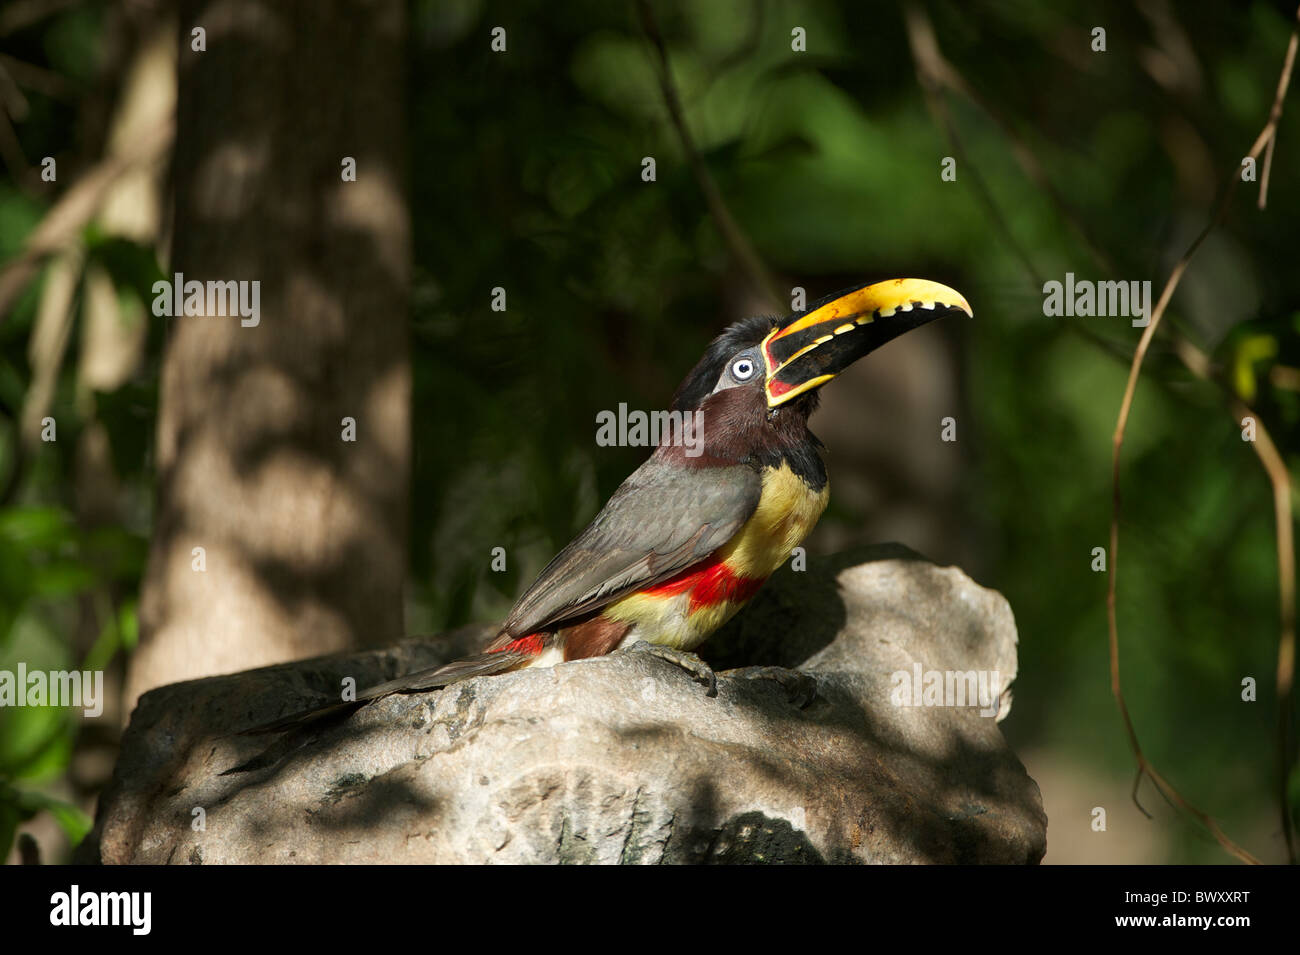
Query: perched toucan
x=687 y=539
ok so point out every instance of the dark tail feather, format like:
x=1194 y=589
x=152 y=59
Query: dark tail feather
x=298 y=736
x=481 y=664
x=297 y=724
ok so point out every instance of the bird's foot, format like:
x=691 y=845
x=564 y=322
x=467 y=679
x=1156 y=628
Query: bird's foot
x=800 y=688
x=700 y=671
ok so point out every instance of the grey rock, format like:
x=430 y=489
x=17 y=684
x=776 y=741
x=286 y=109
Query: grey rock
x=617 y=759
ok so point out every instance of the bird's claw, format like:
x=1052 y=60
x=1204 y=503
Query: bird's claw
x=699 y=671
x=800 y=688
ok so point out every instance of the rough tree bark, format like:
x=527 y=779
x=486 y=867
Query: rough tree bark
x=303 y=533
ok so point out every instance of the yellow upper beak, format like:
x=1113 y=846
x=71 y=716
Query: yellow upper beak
x=808 y=350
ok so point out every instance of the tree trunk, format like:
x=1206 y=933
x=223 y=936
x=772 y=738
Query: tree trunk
x=303 y=532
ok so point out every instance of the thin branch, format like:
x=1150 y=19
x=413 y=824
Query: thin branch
x=737 y=242
x=46 y=82
x=1275 y=114
x=11 y=151
x=945 y=75
x=76 y=207
x=1198 y=363
x=1280 y=478
x=937 y=76
x=21 y=14
x=929 y=73
x=1286 y=563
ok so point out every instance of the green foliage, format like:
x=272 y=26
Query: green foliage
x=829 y=162
x=68 y=584
x=526 y=174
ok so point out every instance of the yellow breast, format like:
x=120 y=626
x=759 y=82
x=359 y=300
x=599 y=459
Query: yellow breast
x=787 y=510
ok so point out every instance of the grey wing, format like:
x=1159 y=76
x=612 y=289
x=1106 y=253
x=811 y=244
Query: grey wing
x=661 y=520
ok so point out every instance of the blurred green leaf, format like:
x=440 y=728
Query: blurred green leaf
x=1251 y=350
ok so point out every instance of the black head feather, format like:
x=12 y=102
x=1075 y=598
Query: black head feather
x=741 y=428
x=698 y=385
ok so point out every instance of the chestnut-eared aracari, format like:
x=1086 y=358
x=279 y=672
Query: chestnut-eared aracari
x=687 y=539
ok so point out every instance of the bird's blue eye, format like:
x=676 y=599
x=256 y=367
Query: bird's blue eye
x=742 y=369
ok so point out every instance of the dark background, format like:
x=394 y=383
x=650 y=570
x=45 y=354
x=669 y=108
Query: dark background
x=523 y=170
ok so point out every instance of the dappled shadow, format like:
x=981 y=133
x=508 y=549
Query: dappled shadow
x=898 y=788
x=882 y=793
x=305 y=533
x=796 y=614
